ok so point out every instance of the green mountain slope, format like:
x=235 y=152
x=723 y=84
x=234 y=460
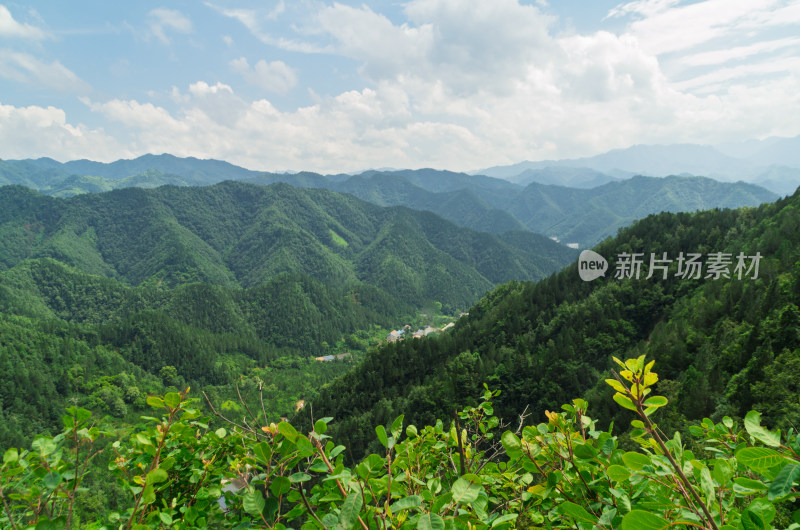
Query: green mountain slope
x=723 y=346
x=235 y=234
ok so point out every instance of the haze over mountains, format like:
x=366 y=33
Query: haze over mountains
x=773 y=163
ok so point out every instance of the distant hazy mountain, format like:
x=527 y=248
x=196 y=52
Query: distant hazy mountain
x=574 y=177
x=753 y=161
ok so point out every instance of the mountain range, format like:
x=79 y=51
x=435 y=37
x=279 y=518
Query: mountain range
x=236 y=234
x=593 y=208
x=773 y=163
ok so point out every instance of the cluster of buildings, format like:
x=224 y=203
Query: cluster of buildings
x=399 y=334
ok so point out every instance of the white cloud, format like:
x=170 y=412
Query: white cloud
x=162 y=20
x=10 y=28
x=31 y=132
x=275 y=76
x=27 y=69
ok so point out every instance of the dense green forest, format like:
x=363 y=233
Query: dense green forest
x=241 y=235
x=724 y=346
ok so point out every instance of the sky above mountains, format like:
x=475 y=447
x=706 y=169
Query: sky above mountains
x=456 y=84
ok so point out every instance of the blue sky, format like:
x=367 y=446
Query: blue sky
x=340 y=86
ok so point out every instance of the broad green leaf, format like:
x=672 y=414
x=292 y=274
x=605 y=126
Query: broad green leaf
x=577 y=512
x=466 y=488
x=747 y=486
x=759 y=458
x=504 y=519
x=618 y=473
x=288 y=431
x=320 y=427
x=641 y=520
x=149 y=495
x=624 y=401
x=636 y=461
x=52 y=480
x=707 y=485
x=430 y=521
x=10 y=456
x=155 y=476
x=412 y=501
x=253 y=502
x=511 y=444
x=655 y=401
x=172 y=399
x=155 y=402
x=279 y=486
x=165 y=518
x=382 y=438
x=349 y=513
x=221 y=432
x=584 y=451
x=616 y=385
x=299 y=477
x=782 y=485
x=752 y=422
x=262 y=452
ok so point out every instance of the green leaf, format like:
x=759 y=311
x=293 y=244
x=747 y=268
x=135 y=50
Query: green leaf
x=641 y=520
x=280 y=485
x=397 y=426
x=616 y=385
x=320 y=427
x=172 y=400
x=618 y=473
x=636 y=461
x=10 y=456
x=262 y=452
x=430 y=521
x=759 y=458
x=165 y=518
x=52 y=480
x=466 y=489
x=624 y=401
x=289 y=432
x=504 y=519
x=155 y=402
x=707 y=485
x=299 y=477
x=412 y=501
x=511 y=444
x=584 y=451
x=655 y=401
x=155 y=476
x=221 y=432
x=782 y=485
x=382 y=438
x=253 y=502
x=752 y=422
x=149 y=495
x=349 y=513
x=747 y=486
x=577 y=512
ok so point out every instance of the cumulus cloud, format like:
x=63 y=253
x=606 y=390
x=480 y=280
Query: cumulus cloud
x=30 y=132
x=163 y=20
x=25 y=68
x=275 y=76
x=10 y=28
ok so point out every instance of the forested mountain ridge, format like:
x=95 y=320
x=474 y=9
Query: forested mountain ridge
x=475 y=201
x=724 y=346
x=236 y=234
